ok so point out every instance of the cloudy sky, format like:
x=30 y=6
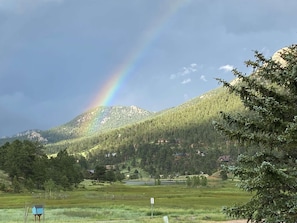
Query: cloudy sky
x=56 y=56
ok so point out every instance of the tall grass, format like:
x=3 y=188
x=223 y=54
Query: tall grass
x=122 y=203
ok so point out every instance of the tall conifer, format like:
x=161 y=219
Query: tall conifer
x=269 y=124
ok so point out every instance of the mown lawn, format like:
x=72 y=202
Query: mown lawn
x=95 y=203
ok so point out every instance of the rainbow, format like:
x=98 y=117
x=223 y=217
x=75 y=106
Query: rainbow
x=110 y=88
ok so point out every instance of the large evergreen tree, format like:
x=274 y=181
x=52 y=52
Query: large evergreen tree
x=64 y=170
x=29 y=167
x=268 y=124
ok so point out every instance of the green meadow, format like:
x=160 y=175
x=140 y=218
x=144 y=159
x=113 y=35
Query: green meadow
x=125 y=203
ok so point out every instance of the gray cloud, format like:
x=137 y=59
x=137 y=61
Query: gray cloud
x=56 y=55
x=22 y=7
x=257 y=16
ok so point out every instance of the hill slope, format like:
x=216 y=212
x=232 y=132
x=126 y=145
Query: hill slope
x=177 y=140
x=190 y=123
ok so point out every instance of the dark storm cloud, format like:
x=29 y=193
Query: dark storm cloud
x=55 y=55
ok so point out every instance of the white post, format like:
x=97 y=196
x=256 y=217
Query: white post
x=165 y=219
x=152 y=206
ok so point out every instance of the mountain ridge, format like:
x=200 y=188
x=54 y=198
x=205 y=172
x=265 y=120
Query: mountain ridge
x=111 y=117
x=170 y=141
x=121 y=120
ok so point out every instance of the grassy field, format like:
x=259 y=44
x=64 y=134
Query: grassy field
x=122 y=203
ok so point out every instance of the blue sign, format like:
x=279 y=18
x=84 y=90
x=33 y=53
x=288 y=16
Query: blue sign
x=37 y=209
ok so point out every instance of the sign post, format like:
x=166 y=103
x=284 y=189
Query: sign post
x=152 y=206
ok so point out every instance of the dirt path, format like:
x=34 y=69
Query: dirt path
x=235 y=221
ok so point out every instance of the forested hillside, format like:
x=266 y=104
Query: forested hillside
x=175 y=140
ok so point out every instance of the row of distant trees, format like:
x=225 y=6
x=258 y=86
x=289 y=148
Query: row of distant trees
x=164 y=159
x=195 y=181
